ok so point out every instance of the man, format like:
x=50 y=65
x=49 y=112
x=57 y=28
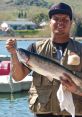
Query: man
x=43 y=100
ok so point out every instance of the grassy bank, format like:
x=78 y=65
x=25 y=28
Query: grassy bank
x=36 y=33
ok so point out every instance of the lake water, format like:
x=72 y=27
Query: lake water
x=22 y=44
x=17 y=107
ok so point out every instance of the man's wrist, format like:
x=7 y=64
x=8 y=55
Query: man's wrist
x=13 y=54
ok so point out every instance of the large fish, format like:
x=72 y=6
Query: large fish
x=45 y=66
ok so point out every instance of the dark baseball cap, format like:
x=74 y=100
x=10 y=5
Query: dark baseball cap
x=60 y=8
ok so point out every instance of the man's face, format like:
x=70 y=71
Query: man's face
x=60 y=24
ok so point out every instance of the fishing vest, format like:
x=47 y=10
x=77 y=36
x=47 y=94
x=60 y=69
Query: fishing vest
x=43 y=93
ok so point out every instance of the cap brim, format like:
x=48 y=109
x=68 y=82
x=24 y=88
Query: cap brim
x=58 y=11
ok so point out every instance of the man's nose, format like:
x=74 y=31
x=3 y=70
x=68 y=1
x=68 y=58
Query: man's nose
x=60 y=21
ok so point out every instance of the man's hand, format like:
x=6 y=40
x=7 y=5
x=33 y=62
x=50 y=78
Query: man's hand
x=10 y=46
x=67 y=81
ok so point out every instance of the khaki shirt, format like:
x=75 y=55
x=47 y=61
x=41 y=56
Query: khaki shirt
x=42 y=94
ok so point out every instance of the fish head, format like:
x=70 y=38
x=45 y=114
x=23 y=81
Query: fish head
x=23 y=55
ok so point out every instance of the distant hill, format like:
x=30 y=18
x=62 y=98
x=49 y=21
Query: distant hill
x=41 y=3
x=4 y=4
x=9 y=8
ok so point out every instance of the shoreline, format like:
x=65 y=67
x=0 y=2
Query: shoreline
x=32 y=39
x=21 y=38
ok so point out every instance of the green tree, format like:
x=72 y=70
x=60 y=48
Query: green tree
x=40 y=17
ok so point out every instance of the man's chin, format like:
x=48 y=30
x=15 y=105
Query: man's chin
x=59 y=33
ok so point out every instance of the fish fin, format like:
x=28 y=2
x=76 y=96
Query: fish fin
x=50 y=78
x=57 y=78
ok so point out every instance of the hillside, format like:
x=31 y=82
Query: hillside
x=77 y=6
x=9 y=8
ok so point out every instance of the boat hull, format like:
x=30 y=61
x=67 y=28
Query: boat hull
x=7 y=87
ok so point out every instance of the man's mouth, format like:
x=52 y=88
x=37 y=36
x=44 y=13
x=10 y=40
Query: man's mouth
x=60 y=27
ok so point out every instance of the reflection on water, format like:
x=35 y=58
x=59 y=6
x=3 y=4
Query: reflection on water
x=17 y=107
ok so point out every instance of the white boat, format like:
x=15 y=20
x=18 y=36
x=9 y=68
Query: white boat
x=7 y=85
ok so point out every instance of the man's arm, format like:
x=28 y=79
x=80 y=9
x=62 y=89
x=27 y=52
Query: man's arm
x=18 y=70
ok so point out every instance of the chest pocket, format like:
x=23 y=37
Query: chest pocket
x=75 y=68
